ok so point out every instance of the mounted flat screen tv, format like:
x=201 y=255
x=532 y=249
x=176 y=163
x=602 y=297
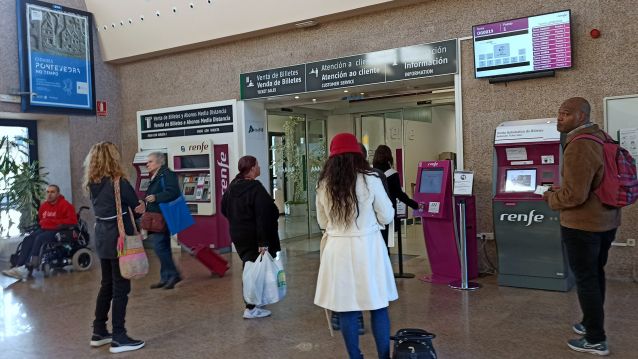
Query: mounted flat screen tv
x=523 y=46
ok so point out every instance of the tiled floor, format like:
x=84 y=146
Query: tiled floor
x=201 y=318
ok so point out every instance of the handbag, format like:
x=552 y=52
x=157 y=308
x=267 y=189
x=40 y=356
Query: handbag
x=176 y=214
x=153 y=222
x=130 y=250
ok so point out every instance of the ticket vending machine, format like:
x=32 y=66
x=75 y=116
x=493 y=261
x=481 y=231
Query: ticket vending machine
x=434 y=191
x=143 y=177
x=527 y=156
x=194 y=162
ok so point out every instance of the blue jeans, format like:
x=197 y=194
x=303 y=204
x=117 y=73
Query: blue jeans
x=162 y=247
x=380 y=323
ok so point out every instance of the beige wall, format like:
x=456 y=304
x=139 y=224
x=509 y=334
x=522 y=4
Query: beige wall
x=168 y=25
x=67 y=139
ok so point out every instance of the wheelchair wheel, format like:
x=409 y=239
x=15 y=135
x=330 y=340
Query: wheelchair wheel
x=82 y=259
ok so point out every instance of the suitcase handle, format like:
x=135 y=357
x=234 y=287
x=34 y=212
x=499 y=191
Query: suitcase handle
x=413 y=337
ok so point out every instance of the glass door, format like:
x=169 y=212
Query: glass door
x=17 y=148
x=384 y=128
x=288 y=169
x=317 y=155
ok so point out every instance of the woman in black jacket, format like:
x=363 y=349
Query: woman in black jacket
x=164 y=187
x=252 y=215
x=383 y=161
x=101 y=167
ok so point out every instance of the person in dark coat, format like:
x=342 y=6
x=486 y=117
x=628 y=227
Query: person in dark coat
x=383 y=161
x=164 y=187
x=252 y=215
x=101 y=167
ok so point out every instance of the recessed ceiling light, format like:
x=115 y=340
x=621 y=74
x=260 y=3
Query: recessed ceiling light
x=296 y=97
x=345 y=90
x=314 y=100
x=443 y=90
x=308 y=23
x=363 y=93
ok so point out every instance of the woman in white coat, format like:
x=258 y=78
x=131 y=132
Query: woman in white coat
x=355 y=273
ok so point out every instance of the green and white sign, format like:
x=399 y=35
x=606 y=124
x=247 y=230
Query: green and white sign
x=404 y=63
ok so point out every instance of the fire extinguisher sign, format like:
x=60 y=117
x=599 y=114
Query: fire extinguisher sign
x=101 y=108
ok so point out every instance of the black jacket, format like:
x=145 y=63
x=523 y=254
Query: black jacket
x=394 y=185
x=252 y=215
x=166 y=193
x=103 y=200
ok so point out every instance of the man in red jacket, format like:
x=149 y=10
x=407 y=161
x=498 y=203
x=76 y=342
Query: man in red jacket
x=54 y=213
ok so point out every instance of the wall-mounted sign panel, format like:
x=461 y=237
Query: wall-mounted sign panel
x=56 y=58
x=275 y=82
x=405 y=63
x=193 y=122
x=525 y=131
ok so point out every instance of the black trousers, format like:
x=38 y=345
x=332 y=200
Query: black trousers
x=113 y=295
x=587 y=253
x=32 y=243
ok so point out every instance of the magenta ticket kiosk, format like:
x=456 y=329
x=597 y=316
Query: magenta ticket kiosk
x=434 y=191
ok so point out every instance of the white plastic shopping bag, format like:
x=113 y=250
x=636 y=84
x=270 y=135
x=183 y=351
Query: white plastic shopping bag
x=264 y=281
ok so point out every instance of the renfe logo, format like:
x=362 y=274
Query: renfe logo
x=522 y=217
x=199 y=147
x=224 y=169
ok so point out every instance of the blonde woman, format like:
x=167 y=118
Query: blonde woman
x=101 y=167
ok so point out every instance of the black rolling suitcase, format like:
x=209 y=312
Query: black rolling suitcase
x=413 y=344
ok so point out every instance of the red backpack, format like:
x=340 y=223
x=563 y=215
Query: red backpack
x=619 y=187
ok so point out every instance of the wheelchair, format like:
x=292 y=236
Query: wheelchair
x=70 y=247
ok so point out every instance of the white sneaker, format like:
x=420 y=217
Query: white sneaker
x=16 y=272
x=256 y=313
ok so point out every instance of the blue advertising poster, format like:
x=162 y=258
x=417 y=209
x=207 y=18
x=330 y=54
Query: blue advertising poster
x=57 y=72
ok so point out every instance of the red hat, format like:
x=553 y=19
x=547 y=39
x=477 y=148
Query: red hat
x=344 y=143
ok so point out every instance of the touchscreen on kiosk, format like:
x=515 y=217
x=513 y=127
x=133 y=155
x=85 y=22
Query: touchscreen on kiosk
x=431 y=180
x=195 y=161
x=520 y=180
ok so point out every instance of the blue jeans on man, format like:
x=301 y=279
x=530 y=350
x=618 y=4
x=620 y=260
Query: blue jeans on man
x=162 y=245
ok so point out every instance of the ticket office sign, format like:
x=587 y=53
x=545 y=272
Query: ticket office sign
x=56 y=58
x=193 y=122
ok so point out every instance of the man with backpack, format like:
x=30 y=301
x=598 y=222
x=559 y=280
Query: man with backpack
x=588 y=226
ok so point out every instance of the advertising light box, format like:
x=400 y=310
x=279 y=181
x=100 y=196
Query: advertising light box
x=56 y=58
x=525 y=45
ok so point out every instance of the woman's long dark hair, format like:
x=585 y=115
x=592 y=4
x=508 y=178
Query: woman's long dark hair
x=383 y=158
x=339 y=177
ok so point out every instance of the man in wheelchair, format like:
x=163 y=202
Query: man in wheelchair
x=57 y=221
